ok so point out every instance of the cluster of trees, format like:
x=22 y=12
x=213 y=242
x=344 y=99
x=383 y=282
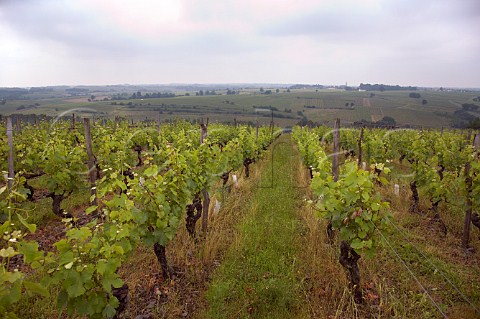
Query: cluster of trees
x=139 y=95
x=40 y=89
x=464 y=118
x=304 y=121
x=77 y=91
x=416 y=95
x=26 y=107
x=386 y=121
x=277 y=115
x=306 y=86
x=207 y=92
x=12 y=93
x=263 y=91
x=470 y=107
x=384 y=87
x=475 y=124
x=267 y=107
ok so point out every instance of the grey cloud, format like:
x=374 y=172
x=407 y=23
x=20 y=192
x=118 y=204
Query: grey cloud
x=392 y=19
x=87 y=38
x=58 y=22
x=425 y=41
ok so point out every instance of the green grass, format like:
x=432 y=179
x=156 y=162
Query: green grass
x=258 y=276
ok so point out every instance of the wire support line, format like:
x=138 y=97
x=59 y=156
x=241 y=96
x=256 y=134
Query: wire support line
x=412 y=274
x=435 y=268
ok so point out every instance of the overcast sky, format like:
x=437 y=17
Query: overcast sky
x=406 y=42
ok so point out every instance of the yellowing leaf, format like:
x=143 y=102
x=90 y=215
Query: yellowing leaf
x=6 y=253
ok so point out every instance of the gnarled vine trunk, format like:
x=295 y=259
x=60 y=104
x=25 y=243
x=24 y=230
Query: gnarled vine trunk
x=378 y=172
x=57 y=210
x=138 y=149
x=246 y=164
x=330 y=232
x=123 y=298
x=127 y=174
x=225 y=177
x=159 y=250
x=414 y=207
x=440 y=171
x=192 y=217
x=476 y=220
x=31 y=189
x=437 y=219
x=349 y=260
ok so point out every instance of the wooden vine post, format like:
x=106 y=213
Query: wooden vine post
x=204 y=131
x=272 y=124
x=206 y=196
x=91 y=162
x=469 y=182
x=18 y=127
x=336 y=149
x=73 y=121
x=360 y=140
x=11 y=173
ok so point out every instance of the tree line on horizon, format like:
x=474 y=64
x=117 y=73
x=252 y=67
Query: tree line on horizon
x=384 y=87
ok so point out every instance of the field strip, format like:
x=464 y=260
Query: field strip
x=259 y=274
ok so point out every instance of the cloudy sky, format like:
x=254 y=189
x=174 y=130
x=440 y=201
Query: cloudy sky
x=406 y=42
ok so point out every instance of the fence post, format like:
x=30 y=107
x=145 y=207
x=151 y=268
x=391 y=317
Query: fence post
x=360 y=140
x=11 y=173
x=91 y=162
x=206 y=196
x=336 y=149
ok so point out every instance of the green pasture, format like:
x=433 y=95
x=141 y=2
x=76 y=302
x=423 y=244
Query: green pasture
x=322 y=106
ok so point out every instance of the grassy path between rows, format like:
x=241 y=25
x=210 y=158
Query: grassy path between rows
x=279 y=263
x=259 y=276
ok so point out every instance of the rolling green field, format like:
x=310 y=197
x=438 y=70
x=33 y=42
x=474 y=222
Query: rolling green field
x=249 y=105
